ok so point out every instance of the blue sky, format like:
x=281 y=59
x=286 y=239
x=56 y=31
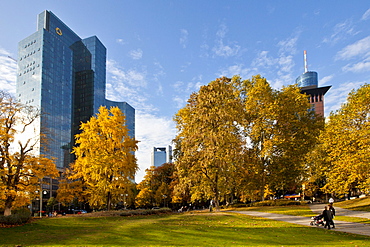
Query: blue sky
x=159 y=52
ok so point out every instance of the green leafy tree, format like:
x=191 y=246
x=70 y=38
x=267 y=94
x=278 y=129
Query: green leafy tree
x=347 y=143
x=20 y=168
x=209 y=141
x=105 y=159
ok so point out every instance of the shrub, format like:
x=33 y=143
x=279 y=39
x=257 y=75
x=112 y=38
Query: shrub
x=145 y=212
x=18 y=217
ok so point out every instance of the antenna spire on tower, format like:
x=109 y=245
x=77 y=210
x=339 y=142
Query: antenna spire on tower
x=305 y=61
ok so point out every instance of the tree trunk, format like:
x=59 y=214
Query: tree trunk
x=109 y=201
x=8 y=205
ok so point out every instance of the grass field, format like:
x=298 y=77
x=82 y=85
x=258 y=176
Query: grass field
x=361 y=204
x=189 y=229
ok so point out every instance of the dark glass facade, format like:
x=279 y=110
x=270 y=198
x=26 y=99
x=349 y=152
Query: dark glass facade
x=64 y=76
x=308 y=79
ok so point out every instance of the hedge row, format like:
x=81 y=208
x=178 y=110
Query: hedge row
x=17 y=217
x=279 y=202
x=145 y=212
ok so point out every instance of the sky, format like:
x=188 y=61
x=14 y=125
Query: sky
x=159 y=52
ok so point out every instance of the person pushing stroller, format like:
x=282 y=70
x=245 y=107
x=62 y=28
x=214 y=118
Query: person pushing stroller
x=328 y=217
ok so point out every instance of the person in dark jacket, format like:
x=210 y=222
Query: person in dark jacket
x=332 y=209
x=328 y=217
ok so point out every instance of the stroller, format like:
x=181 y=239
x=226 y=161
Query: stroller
x=317 y=220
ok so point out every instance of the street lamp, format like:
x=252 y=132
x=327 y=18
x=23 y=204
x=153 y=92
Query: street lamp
x=41 y=192
x=124 y=200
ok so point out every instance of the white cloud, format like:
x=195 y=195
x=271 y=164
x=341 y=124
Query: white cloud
x=288 y=45
x=237 y=69
x=360 y=47
x=184 y=38
x=366 y=15
x=151 y=131
x=224 y=50
x=136 y=54
x=278 y=68
x=8 y=72
x=326 y=79
x=132 y=77
x=341 y=31
x=179 y=102
x=263 y=60
x=336 y=96
x=357 y=67
x=120 y=41
x=127 y=86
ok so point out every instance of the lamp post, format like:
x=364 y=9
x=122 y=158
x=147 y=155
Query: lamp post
x=124 y=201
x=41 y=193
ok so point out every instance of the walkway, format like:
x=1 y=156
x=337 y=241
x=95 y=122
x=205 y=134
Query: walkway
x=341 y=226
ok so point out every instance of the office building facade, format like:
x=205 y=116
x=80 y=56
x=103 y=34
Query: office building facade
x=65 y=76
x=161 y=155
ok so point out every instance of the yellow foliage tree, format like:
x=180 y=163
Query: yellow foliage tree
x=20 y=168
x=208 y=141
x=105 y=159
x=156 y=187
x=347 y=142
x=280 y=130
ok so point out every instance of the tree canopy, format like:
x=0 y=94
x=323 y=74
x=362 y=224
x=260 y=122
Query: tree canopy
x=347 y=142
x=21 y=167
x=105 y=158
x=243 y=138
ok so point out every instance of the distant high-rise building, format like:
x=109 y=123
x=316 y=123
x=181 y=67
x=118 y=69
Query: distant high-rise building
x=308 y=82
x=64 y=76
x=161 y=155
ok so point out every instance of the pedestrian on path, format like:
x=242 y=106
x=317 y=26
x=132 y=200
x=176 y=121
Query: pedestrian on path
x=332 y=210
x=328 y=217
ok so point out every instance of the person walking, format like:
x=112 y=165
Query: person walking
x=328 y=217
x=332 y=210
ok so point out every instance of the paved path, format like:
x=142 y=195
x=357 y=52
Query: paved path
x=318 y=208
x=341 y=226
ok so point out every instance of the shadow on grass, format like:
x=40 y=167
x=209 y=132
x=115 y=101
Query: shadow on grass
x=217 y=229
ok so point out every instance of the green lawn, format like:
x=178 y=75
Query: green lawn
x=301 y=210
x=190 y=229
x=361 y=204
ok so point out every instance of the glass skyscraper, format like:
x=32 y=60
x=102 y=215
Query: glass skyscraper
x=65 y=76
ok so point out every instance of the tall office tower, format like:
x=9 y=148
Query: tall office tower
x=65 y=77
x=308 y=82
x=161 y=155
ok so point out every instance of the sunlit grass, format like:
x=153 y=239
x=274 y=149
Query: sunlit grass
x=296 y=210
x=361 y=204
x=190 y=229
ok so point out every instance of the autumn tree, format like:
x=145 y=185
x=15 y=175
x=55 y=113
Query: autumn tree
x=21 y=168
x=347 y=142
x=105 y=159
x=209 y=141
x=157 y=186
x=280 y=129
x=70 y=190
x=317 y=164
